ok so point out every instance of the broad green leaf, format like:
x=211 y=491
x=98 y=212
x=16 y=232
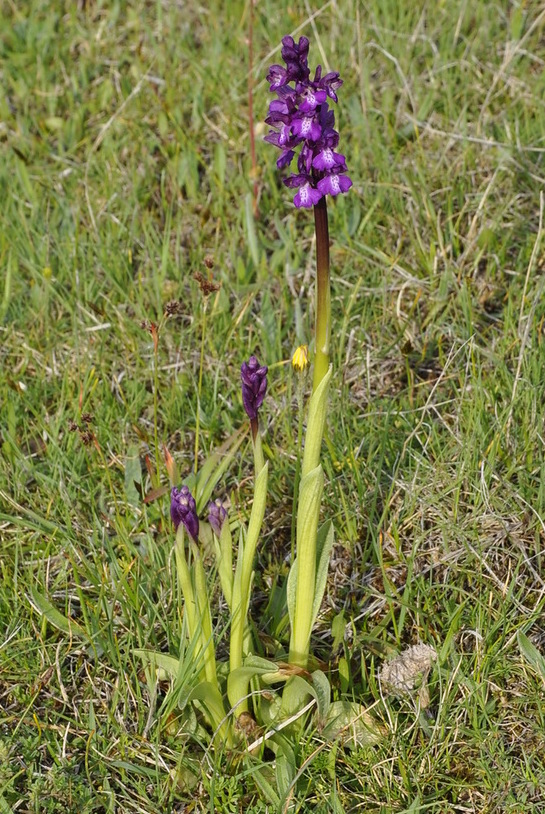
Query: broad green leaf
x=285 y=773
x=266 y=787
x=322 y=693
x=350 y=723
x=133 y=476
x=4 y=807
x=531 y=654
x=253 y=667
x=338 y=627
x=291 y=585
x=324 y=544
x=344 y=674
x=169 y=665
x=302 y=613
x=296 y=695
x=517 y=21
x=211 y=700
x=254 y=527
x=63 y=623
x=414 y=808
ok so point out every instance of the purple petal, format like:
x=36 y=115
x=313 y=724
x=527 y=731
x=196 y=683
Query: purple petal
x=307 y=196
x=307 y=128
x=312 y=100
x=327 y=159
x=297 y=180
x=277 y=76
x=333 y=184
x=285 y=159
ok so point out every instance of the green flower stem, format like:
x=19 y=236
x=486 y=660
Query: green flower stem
x=323 y=293
x=257 y=445
x=243 y=583
x=297 y=476
x=308 y=515
x=317 y=410
x=186 y=585
x=205 y=618
x=225 y=563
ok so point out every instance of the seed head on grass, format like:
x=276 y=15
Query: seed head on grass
x=300 y=117
x=183 y=509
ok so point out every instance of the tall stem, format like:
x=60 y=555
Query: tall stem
x=323 y=294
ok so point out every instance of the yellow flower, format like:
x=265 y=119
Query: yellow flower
x=299 y=359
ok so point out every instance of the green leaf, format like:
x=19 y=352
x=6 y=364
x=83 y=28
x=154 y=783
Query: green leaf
x=213 y=469
x=350 y=723
x=517 y=22
x=253 y=667
x=322 y=693
x=63 y=623
x=291 y=586
x=6 y=296
x=266 y=787
x=250 y=229
x=338 y=626
x=317 y=410
x=254 y=527
x=210 y=697
x=324 y=544
x=4 y=807
x=285 y=773
x=531 y=654
x=344 y=674
x=310 y=496
x=133 y=476
x=296 y=696
x=220 y=163
x=169 y=665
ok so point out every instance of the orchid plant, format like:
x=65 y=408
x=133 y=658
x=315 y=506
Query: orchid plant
x=302 y=127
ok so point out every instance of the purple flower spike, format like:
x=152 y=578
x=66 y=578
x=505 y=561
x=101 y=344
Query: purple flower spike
x=217 y=515
x=183 y=509
x=300 y=117
x=254 y=386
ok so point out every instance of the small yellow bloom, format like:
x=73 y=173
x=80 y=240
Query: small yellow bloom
x=299 y=359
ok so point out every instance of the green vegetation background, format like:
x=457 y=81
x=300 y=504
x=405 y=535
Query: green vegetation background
x=124 y=164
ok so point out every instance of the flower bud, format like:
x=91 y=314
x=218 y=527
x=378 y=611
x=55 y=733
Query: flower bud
x=299 y=360
x=254 y=386
x=183 y=509
x=217 y=514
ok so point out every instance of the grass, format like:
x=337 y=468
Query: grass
x=125 y=163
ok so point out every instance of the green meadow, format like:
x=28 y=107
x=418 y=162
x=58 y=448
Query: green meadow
x=125 y=170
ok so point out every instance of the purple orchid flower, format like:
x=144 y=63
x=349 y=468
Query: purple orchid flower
x=300 y=118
